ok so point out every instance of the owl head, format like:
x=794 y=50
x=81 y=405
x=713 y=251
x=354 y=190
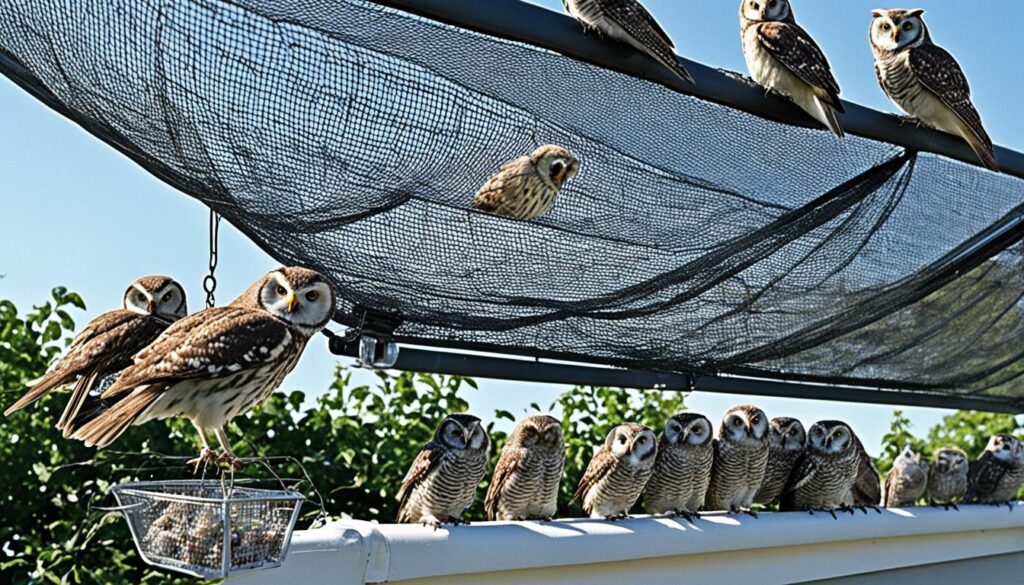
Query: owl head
x=907 y=457
x=950 y=460
x=632 y=441
x=1003 y=447
x=159 y=296
x=462 y=432
x=832 y=437
x=786 y=433
x=688 y=428
x=892 y=30
x=555 y=164
x=298 y=296
x=538 y=432
x=767 y=11
x=744 y=424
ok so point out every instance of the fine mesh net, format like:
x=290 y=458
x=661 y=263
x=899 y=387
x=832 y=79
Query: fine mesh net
x=350 y=137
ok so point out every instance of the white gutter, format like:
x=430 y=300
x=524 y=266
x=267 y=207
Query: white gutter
x=776 y=548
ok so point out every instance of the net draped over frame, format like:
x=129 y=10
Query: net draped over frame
x=351 y=137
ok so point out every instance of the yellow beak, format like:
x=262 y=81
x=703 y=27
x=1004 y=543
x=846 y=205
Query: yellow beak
x=292 y=302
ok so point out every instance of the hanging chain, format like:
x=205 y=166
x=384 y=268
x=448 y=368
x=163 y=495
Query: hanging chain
x=210 y=281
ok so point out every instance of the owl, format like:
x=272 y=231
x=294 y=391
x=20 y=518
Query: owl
x=618 y=473
x=924 y=80
x=786 y=438
x=443 y=479
x=782 y=57
x=627 y=21
x=218 y=363
x=527 y=187
x=907 y=480
x=106 y=346
x=682 y=468
x=947 y=478
x=826 y=473
x=998 y=473
x=741 y=459
x=528 y=473
x=867 y=490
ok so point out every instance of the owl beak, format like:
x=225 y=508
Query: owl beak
x=467 y=434
x=151 y=307
x=291 y=302
x=897 y=36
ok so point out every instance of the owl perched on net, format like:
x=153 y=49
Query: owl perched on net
x=442 y=481
x=924 y=80
x=741 y=458
x=947 y=478
x=786 y=438
x=907 y=480
x=783 y=57
x=618 y=472
x=528 y=186
x=106 y=346
x=627 y=21
x=682 y=468
x=218 y=363
x=529 y=471
x=997 y=475
x=825 y=474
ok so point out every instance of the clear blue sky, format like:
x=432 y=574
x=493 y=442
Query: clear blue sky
x=80 y=214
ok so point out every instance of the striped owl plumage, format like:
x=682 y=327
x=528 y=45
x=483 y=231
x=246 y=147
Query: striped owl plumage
x=997 y=475
x=527 y=187
x=786 y=440
x=618 y=472
x=907 y=480
x=947 y=478
x=826 y=473
x=627 y=21
x=783 y=57
x=442 y=481
x=527 y=477
x=867 y=489
x=106 y=346
x=741 y=459
x=218 y=363
x=924 y=80
x=682 y=468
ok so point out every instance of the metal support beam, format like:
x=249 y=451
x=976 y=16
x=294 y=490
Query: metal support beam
x=525 y=370
x=528 y=23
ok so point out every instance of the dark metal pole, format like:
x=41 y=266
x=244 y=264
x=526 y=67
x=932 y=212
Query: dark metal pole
x=479 y=366
x=528 y=23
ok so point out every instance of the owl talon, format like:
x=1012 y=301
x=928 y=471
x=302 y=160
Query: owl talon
x=206 y=457
x=751 y=513
x=954 y=506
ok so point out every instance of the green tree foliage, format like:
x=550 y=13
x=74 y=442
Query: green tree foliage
x=354 y=443
x=893 y=442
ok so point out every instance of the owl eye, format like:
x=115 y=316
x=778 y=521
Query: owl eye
x=907 y=26
x=737 y=422
x=773 y=3
x=642 y=440
x=756 y=419
x=697 y=430
x=622 y=439
x=141 y=297
x=312 y=296
x=281 y=291
x=167 y=297
x=886 y=26
x=755 y=6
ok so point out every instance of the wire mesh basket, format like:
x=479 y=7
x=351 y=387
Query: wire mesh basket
x=207 y=528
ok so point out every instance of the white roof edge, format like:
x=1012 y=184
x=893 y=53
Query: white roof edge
x=398 y=552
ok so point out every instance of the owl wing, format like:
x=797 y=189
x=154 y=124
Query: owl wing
x=213 y=343
x=106 y=345
x=983 y=476
x=507 y=465
x=640 y=25
x=939 y=71
x=867 y=488
x=599 y=467
x=803 y=472
x=791 y=46
x=428 y=459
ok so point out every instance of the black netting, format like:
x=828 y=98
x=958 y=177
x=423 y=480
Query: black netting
x=350 y=137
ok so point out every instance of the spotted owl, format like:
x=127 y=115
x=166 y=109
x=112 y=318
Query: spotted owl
x=825 y=474
x=997 y=475
x=682 y=469
x=527 y=476
x=618 y=472
x=907 y=480
x=442 y=481
x=740 y=461
x=527 y=187
x=786 y=438
x=947 y=477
